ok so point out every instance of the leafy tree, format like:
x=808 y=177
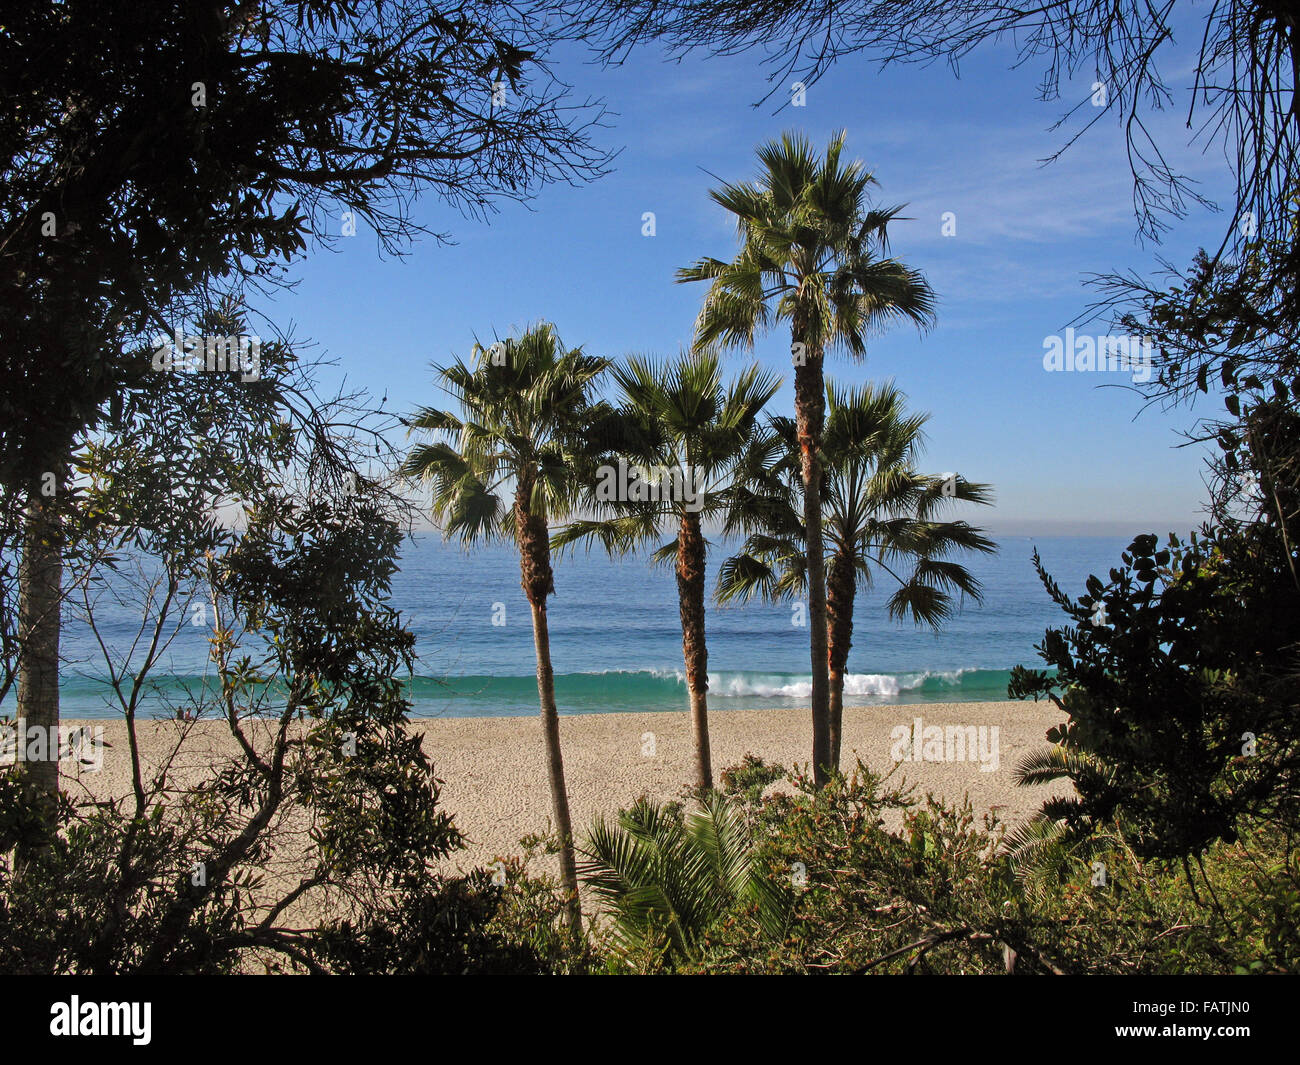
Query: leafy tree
x=1230 y=327
x=1178 y=679
x=312 y=839
x=281 y=115
x=880 y=515
x=812 y=254
x=679 y=417
x=1180 y=710
x=1046 y=851
x=175 y=458
x=504 y=468
x=210 y=877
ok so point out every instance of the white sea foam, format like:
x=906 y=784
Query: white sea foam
x=773 y=686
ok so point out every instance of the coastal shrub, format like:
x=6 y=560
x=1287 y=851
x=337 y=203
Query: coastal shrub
x=668 y=878
x=1178 y=676
x=748 y=780
x=1177 y=679
x=942 y=895
x=446 y=931
x=94 y=901
x=315 y=844
x=532 y=912
x=862 y=894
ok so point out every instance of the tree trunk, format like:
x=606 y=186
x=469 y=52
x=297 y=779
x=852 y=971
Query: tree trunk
x=810 y=413
x=695 y=652
x=841 y=590
x=538 y=583
x=40 y=579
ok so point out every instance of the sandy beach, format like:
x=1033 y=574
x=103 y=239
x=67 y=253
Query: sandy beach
x=495 y=776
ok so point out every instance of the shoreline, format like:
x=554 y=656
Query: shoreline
x=616 y=691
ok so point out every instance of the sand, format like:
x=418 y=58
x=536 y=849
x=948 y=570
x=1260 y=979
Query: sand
x=495 y=773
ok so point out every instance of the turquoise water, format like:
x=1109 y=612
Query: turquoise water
x=616 y=637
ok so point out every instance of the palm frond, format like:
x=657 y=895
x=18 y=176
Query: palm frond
x=670 y=880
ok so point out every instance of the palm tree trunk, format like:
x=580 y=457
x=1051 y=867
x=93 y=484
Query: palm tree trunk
x=810 y=414
x=695 y=652
x=840 y=593
x=538 y=583
x=40 y=581
x=555 y=767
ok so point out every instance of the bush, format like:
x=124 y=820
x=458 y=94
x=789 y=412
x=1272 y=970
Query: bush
x=1178 y=681
x=943 y=895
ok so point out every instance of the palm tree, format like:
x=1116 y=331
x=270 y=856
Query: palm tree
x=523 y=405
x=680 y=417
x=812 y=253
x=668 y=880
x=879 y=512
x=1052 y=846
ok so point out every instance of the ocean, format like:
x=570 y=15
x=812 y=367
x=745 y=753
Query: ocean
x=616 y=637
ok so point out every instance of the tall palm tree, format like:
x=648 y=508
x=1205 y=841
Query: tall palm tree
x=879 y=515
x=813 y=253
x=680 y=416
x=504 y=468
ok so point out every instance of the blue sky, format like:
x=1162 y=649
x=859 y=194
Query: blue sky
x=1063 y=454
